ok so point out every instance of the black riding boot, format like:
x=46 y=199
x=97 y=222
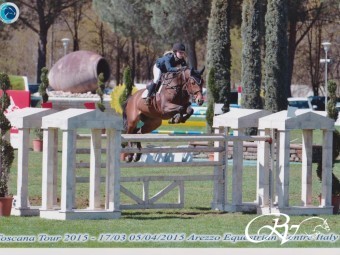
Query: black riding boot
x=151 y=89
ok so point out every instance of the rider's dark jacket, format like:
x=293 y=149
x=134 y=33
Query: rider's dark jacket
x=168 y=63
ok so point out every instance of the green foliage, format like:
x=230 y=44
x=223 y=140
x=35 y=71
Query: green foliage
x=100 y=92
x=17 y=82
x=5 y=83
x=276 y=62
x=6 y=149
x=129 y=17
x=251 y=54
x=38 y=133
x=44 y=84
x=236 y=57
x=127 y=79
x=191 y=17
x=5 y=100
x=212 y=94
x=218 y=45
x=43 y=92
x=5 y=125
x=184 y=21
x=333 y=114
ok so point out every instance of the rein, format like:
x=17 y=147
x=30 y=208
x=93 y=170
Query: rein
x=177 y=86
x=183 y=87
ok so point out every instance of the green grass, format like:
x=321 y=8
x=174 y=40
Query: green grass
x=195 y=218
x=17 y=82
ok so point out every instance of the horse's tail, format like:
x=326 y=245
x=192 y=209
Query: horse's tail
x=125 y=122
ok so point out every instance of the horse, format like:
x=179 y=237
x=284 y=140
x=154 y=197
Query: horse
x=171 y=103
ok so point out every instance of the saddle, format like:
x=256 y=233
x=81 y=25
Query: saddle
x=164 y=80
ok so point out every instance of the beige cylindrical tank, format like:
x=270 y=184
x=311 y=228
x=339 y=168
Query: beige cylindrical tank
x=77 y=72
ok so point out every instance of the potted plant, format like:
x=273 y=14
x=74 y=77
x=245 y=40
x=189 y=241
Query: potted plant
x=38 y=140
x=6 y=149
x=332 y=113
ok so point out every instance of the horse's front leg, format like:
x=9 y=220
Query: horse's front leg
x=129 y=156
x=137 y=155
x=189 y=111
x=133 y=156
x=174 y=112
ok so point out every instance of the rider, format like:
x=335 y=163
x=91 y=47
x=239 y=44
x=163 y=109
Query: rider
x=172 y=61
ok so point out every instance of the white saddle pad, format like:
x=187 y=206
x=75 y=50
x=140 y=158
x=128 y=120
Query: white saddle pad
x=145 y=93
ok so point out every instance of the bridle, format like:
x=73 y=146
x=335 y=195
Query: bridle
x=183 y=87
x=188 y=86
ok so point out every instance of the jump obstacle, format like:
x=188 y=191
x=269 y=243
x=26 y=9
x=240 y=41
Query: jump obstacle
x=268 y=199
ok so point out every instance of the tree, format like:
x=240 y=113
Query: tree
x=76 y=14
x=218 y=49
x=128 y=82
x=129 y=18
x=321 y=30
x=211 y=92
x=183 y=21
x=302 y=16
x=251 y=54
x=6 y=149
x=332 y=113
x=39 y=15
x=276 y=61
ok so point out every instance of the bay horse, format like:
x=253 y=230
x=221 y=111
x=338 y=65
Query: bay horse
x=172 y=103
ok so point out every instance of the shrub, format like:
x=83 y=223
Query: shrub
x=333 y=114
x=100 y=91
x=6 y=149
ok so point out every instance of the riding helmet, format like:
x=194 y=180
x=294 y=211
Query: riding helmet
x=178 y=47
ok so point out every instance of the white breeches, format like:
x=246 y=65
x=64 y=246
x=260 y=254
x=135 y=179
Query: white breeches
x=156 y=74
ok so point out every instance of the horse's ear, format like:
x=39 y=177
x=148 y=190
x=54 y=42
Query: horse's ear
x=201 y=72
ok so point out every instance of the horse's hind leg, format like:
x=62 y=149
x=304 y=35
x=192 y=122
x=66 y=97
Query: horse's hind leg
x=137 y=156
x=131 y=130
x=149 y=126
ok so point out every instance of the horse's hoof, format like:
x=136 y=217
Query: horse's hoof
x=129 y=158
x=137 y=157
x=178 y=120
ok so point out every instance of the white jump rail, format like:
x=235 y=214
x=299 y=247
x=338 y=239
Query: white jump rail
x=177 y=181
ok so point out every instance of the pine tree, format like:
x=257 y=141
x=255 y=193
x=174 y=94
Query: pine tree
x=128 y=83
x=211 y=92
x=6 y=149
x=276 y=56
x=251 y=54
x=129 y=18
x=44 y=84
x=218 y=45
x=100 y=92
x=184 y=21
